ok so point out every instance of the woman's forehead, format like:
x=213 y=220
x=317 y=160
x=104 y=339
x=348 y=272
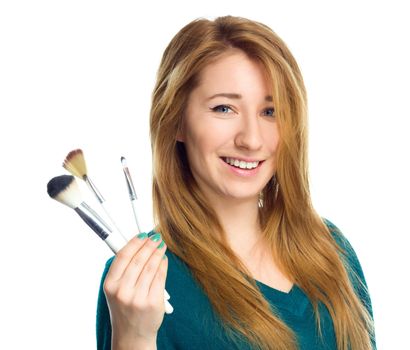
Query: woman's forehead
x=233 y=74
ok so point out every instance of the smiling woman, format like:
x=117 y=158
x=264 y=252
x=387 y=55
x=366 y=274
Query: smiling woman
x=231 y=137
x=250 y=264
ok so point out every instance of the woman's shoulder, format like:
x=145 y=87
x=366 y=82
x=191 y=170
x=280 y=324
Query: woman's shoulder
x=348 y=252
x=341 y=241
x=351 y=262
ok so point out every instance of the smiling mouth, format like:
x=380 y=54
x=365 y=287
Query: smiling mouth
x=241 y=164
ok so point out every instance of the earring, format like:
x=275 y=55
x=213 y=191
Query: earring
x=273 y=184
x=260 y=200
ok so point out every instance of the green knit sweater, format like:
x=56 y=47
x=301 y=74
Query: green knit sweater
x=193 y=324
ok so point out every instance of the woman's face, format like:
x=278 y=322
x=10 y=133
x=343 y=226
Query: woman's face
x=229 y=129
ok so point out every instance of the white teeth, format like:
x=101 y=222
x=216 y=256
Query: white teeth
x=241 y=164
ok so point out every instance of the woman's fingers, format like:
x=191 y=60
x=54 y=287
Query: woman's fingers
x=138 y=270
x=149 y=271
x=133 y=287
x=142 y=261
x=125 y=255
x=157 y=287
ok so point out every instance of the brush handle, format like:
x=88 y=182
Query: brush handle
x=103 y=203
x=134 y=209
x=93 y=189
x=107 y=211
x=102 y=229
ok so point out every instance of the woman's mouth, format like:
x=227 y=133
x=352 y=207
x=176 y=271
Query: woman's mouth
x=240 y=163
x=241 y=167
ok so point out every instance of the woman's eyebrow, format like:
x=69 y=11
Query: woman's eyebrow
x=268 y=98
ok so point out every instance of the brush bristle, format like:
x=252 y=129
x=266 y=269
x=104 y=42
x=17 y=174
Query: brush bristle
x=64 y=189
x=123 y=162
x=75 y=163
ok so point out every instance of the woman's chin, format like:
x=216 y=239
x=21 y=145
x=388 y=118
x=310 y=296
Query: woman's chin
x=242 y=196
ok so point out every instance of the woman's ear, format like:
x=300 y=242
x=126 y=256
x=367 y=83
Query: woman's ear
x=180 y=137
x=180 y=133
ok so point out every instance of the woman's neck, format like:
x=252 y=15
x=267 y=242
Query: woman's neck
x=240 y=221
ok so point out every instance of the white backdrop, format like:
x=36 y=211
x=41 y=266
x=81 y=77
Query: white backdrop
x=80 y=74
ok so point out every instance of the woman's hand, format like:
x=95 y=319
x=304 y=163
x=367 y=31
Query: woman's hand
x=134 y=288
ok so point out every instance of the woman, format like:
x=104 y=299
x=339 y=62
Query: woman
x=250 y=264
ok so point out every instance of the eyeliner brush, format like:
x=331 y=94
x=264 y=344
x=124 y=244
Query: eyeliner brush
x=133 y=198
x=131 y=190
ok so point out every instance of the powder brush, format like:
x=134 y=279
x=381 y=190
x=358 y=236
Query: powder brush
x=65 y=190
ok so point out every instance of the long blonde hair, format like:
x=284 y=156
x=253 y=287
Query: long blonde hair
x=300 y=241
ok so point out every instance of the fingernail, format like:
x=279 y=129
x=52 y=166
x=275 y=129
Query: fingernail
x=156 y=237
x=142 y=235
x=161 y=245
x=164 y=257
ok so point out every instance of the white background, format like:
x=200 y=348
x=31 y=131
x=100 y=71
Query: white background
x=79 y=74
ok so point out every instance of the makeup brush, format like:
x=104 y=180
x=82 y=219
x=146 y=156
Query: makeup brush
x=133 y=197
x=76 y=165
x=131 y=190
x=65 y=190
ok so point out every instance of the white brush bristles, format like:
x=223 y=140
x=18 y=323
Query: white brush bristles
x=75 y=163
x=70 y=196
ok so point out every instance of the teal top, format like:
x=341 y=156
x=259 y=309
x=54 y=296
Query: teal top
x=194 y=325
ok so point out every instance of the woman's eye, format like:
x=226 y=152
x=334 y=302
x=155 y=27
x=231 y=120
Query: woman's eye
x=222 y=109
x=270 y=112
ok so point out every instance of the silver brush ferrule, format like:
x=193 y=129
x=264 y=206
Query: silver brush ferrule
x=92 y=219
x=130 y=185
x=94 y=189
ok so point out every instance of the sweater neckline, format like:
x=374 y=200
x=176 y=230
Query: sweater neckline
x=294 y=302
x=280 y=292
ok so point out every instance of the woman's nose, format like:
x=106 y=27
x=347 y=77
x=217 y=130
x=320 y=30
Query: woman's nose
x=249 y=133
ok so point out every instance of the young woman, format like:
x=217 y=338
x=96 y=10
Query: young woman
x=249 y=263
